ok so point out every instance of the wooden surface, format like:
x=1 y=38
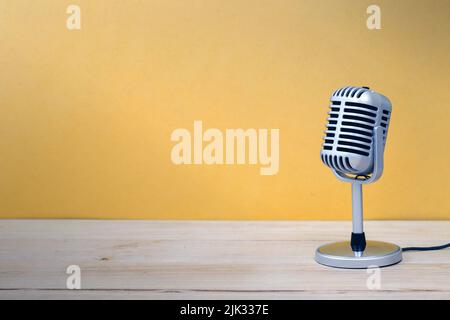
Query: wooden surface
x=211 y=260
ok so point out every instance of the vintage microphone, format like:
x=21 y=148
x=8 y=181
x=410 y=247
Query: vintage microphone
x=353 y=148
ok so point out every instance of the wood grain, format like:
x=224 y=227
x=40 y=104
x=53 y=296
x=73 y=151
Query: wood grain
x=211 y=260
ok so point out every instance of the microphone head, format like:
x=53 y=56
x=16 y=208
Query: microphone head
x=354 y=113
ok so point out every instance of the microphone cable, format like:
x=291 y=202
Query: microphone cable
x=444 y=246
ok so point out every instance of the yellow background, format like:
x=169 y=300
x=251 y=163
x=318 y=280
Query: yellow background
x=86 y=116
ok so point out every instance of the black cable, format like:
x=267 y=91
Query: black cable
x=426 y=248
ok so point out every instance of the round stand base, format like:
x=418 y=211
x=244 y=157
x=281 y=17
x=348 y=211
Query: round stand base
x=376 y=254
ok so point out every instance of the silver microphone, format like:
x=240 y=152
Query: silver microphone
x=353 y=148
x=354 y=114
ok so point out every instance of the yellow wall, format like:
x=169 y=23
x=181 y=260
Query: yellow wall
x=86 y=116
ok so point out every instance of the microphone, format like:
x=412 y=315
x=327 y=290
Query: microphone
x=353 y=147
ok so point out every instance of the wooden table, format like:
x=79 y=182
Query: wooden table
x=211 y=260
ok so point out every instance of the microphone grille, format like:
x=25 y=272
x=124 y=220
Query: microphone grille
x=354 y=113
x=350 y=92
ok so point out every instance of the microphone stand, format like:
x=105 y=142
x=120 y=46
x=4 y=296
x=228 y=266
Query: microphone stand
x=359 y=253
x=358 y=240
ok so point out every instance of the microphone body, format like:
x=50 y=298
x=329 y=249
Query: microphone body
x=354 y=114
